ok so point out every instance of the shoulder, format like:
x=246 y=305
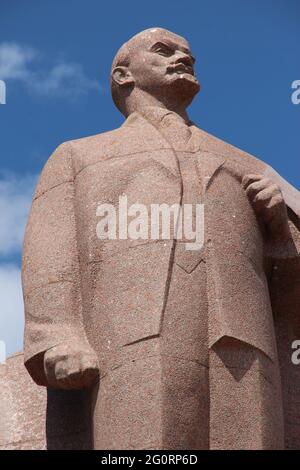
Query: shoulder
x=234 y=157
x=61 y=166
x=240 y=163
x=103 y=140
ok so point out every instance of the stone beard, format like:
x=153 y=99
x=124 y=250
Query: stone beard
x=179 y=349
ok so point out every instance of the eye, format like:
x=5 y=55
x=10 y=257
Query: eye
x=163 y=49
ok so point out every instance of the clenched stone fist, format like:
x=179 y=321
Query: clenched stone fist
x=267 y=201
x=71 y=366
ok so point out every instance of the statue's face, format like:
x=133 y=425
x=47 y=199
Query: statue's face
x=161 y=63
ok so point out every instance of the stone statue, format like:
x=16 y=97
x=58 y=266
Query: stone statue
x=181 y=349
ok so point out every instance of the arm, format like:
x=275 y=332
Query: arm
x=278 y=208
x=57 y=352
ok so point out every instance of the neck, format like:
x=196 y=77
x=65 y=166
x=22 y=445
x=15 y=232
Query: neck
x=136 y=102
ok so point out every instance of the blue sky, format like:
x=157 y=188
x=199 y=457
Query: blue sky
x=55 y=58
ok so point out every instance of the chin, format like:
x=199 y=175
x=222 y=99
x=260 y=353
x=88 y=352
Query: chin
x=185 y=84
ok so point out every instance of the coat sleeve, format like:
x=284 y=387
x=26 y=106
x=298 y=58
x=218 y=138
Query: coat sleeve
x=50 y=267
x=285 y=298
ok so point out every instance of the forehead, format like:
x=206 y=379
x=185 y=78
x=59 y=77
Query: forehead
x=149 y=38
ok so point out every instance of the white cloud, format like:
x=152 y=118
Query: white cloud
x=23 y=64
x=15 y=199
x=64 y=79
x=15 y=60
x=11 y=314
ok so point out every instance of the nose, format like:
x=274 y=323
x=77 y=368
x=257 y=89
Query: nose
x=183 y=58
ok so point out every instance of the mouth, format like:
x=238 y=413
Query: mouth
x=180 y=69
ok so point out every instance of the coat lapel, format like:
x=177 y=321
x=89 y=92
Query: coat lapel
x=163 y=153
x=209 y=163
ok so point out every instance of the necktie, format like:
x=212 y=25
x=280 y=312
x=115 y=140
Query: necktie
x=177 y=132
x=180 y=136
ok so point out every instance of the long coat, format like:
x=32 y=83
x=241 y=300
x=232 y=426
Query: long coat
x=111 y=293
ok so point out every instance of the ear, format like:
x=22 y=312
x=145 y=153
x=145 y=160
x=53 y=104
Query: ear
x=122 y=76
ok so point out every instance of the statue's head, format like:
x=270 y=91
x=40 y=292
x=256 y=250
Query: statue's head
x=156 y=62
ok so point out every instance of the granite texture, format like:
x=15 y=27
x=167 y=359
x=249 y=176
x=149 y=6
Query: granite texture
x=34 y=418
x=174 y=349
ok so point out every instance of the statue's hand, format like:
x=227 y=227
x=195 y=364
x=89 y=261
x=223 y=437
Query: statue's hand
x=267 y=201
x=71 y=366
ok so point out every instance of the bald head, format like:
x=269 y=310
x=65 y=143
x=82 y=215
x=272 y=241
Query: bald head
x=144 y=39
x=151 y=61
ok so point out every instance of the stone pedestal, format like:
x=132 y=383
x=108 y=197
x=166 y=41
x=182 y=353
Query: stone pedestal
x=28 y=420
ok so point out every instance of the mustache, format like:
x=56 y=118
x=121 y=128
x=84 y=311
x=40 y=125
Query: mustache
x=180 y=67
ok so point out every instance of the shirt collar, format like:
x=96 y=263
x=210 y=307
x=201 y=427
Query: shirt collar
x=155 y=115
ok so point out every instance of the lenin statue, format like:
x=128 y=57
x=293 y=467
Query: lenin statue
x=180 y=348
